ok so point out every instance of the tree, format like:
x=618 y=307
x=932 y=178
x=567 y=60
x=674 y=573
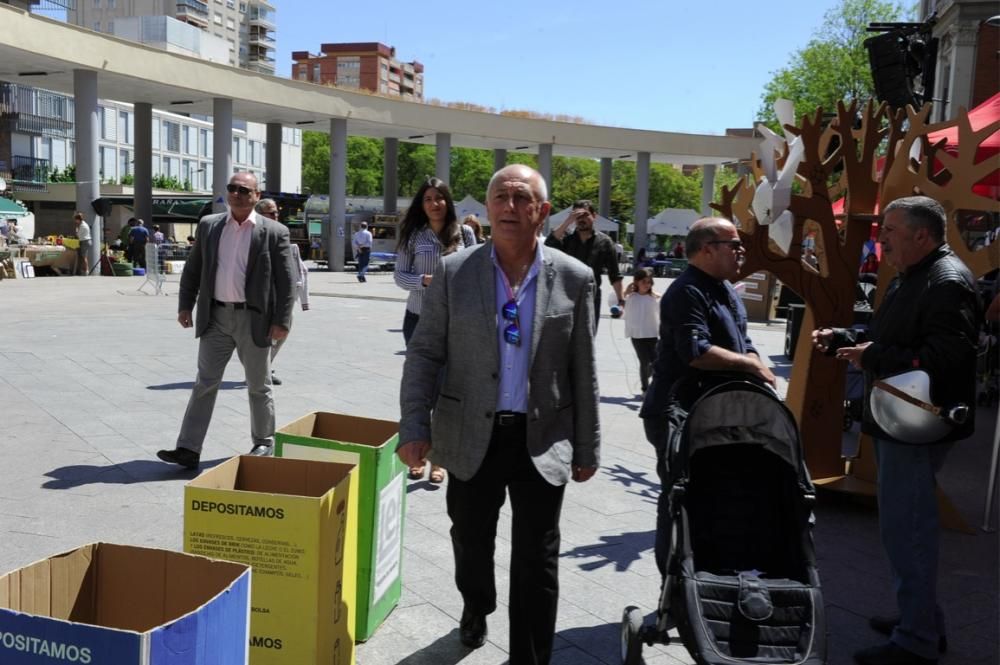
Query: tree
x=364 y=166
x=316 y=162
x=833 y=66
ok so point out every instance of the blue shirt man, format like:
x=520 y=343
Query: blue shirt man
x=703 y=329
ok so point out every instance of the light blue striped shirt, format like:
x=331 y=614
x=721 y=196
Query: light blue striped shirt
x=515 y=359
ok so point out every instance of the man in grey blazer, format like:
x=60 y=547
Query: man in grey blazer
x=508 y=325
x=239 y=274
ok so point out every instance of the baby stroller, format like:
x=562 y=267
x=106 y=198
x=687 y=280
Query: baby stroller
x=741 y=582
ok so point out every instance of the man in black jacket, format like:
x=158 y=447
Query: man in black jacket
x=928 y=320
x=594 y=248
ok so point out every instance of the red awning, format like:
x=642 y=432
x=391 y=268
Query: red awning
x=979 y=117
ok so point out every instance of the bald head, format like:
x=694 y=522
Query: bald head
x=523 y=173
x=713 y=246
x=703 y=231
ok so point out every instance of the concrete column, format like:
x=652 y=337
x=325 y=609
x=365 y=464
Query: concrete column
x=273 y=162
x=604 y=189
x=143 y=164
x=641 y=200
x=499 y=159
x=545 y=168
x=442 y=158
x=963 y=67
x=336 y=238
x=88 y=186
x=390 y=175
x=707 y=188
x=222 y=151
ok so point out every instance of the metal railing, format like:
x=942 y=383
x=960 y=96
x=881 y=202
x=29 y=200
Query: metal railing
x=29 y=172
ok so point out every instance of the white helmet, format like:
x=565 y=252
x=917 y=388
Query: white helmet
x=901 y=406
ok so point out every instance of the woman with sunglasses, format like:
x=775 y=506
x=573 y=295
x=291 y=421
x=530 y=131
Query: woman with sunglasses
x=429 y=231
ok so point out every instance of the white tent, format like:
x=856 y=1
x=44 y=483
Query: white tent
x=602 y=223
x=672 y=222
x=470 y=206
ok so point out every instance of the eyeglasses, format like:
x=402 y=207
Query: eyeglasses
x=733 y=244
x=512 y=333
x=243 y=191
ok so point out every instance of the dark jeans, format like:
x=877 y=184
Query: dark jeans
x=364 y=256
x=659 y=432
x=138 y=253
x=474 y=507
x=409 y=325
x=645 y=350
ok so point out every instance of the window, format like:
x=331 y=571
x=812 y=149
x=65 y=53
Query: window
x=125 y=127
x=190 y=135
x=205 y=175
x=230 y=24
x=156 y=133
x=97 y=26
x=231 y=4
x=111 y=4
x=243 y=8
x=108 y=163
x=254 y=153
x=124 y=163
x=97 y=4
x=205 y=143
x=111 y=27
x=171 y=136
x=217 y=18
x=109 y=124
x=316 y=71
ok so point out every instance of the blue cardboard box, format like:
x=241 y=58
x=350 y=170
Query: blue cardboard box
x=104 y=604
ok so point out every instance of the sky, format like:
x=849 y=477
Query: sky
x=667 y=65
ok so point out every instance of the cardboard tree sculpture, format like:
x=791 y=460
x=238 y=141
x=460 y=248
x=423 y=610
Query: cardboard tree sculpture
x=842 y=158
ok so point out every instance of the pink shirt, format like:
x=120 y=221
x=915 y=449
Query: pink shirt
x=234 y=252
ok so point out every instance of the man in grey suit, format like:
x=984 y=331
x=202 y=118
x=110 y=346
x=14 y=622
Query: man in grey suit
x=510 y=325
x=240 y=274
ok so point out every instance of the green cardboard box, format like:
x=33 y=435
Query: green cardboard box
x=371 y=444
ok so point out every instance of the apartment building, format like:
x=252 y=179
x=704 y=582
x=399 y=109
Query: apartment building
x=246 y=27
x=37 y=137
x=369 y=66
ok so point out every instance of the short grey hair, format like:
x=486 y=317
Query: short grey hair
x=540 y=188
x=922 y=212
x=265 y=205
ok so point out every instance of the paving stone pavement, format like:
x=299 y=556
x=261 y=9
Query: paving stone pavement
x=94 y=378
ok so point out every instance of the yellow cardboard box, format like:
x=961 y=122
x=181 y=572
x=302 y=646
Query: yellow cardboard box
x=289 y=519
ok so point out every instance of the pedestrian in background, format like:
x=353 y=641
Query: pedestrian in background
x=642 y=321
x=269 y=208
x=429 y=231
x=361 y=243
x=83 y=235
x=477 y=229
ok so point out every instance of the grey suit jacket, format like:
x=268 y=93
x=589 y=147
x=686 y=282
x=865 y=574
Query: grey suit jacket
x=458 y=332
x=270 y=278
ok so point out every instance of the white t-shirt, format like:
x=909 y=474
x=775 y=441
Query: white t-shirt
x=83 y=231
x=642 y=316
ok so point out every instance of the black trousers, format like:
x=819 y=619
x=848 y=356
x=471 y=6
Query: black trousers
x=474 y=507
x=645 y=350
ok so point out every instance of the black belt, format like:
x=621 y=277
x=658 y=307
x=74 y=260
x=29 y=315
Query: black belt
x=510 y=419
x=234 y=305
x=364 y=249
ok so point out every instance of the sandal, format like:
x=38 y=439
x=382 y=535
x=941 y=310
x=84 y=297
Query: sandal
x=417 y=472
x=437 y=474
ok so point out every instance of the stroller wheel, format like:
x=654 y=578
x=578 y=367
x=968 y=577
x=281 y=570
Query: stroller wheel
x=632 y=636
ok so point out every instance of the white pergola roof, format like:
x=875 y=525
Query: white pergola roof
x=43 y=53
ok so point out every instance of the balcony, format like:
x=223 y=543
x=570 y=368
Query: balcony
x=194 y=12
x=29 y=173
x=262 y=40
x=262 y=18
x=32 y=111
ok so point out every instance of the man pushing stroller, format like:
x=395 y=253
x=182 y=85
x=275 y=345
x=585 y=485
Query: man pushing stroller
x=703 y=330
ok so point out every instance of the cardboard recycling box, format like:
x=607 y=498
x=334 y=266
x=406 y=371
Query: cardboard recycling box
x=381 y=499
x=105 y=604
x=291 y=520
